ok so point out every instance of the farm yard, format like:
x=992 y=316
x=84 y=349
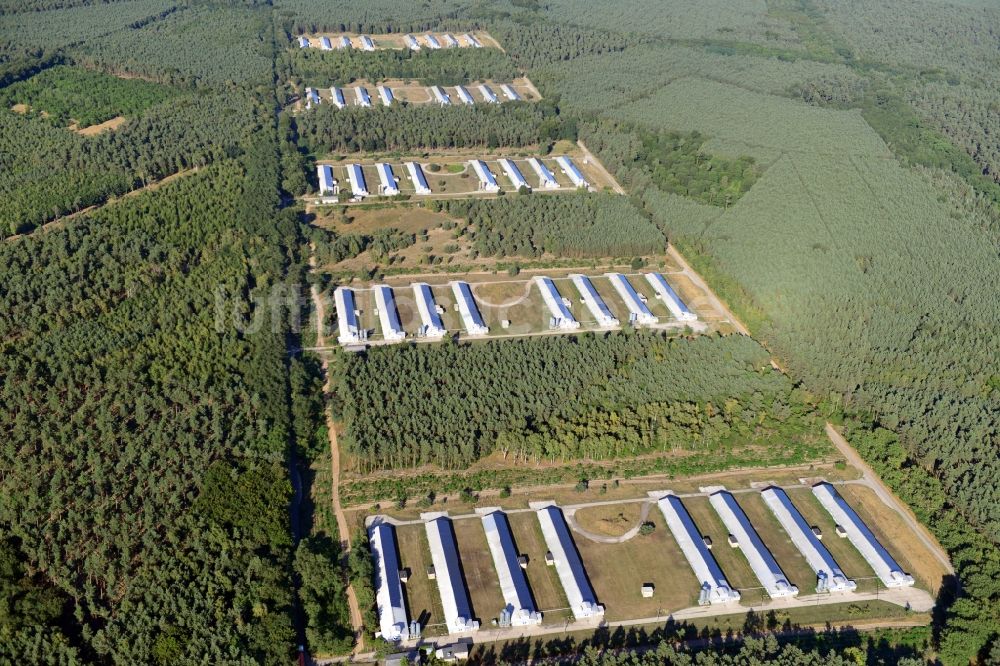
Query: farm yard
x=401 y=91
x=480 y=39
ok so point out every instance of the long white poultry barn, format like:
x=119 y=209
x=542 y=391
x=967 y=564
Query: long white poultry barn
x=431 y=324
x=432 y=41
x=347 y=318
x=885 y=567
x=488 y=94
x=344 y=42
x=546 y=178
x=440 y=96
x=464 y=95
x=715 y=589
x=367 y=44
x=569 y=568
x=417 y=176
x=594 y=302
x=325 y=44
x=513 y=583
x=568 y=168
x=388 y=587
x=472 y=41
x=357 y=177
x=364 y=99
x=829 y=576
x=670 y=297
x=411 y=42
x=385 y=92
x=487 y=183
x=387 y=180
x=638 y=312
x=337 y=97
x=562 y=318
x=324 y=174
x=764 y=566
x=303 y=42
x=509 y=91
x=444 y=557
x=513 y=173
x=312 y=98
x=450 y=41
x=387 y=315
x=467 y=308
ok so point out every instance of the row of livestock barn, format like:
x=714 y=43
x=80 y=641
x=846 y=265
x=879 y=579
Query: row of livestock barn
x=412 y=42
x=352 y=332
x=441 y=95
x=510 y=565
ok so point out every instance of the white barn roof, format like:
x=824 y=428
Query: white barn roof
x=385 y=92
x=388 y=588
x=568 y=565
x=488 y=94
x=417 y=176
x=337 y=97
x=411 y=42
x=387 y=179
x=509 y=91
x=303 y=42
x=364 y=99
x=440 y=96
x=764 y=566
x=885 y=567
x=829 y=576
x=444 y=556
x=670 y=297
x=715 y=587
x=639 y=313
x=344 y=42
x=432 y=326
x=513 y=583
x=464 y=95
x=594 y=302
x=324 y=43
x=487 y=182
x=432 y=41
x=347 y=320
x=546 y=178
x=467 y=308
x=472 y=41
x=324 y=174
x=312 y=97
x=387 y=315
x=513 y=173
x=449 y=40
x=366 y=43
x=357 y=177
x=561 y=316
x=566 y=164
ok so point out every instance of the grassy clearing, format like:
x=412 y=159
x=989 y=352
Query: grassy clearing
x=423 y=602
x=610 y=520
x=545 y=586
x=480 y=574
x=796 y=569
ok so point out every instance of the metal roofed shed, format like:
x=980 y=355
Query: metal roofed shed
x=472 y=41
x=487 y=183
x=488 y=94
x=432 y=41
x=513 y=173
x=513 y=583
x=388 y=588
x=312 y=98
x=385 y=92
x=440 y=96
x=444 y=554
x=347 y=318
x=387 y=179
x=324 y=175
x=638 y=312
x=364 y=99
x=546 y=178
x=324 y=43
x=764 y=566
x=715 y=589
x=509 y=91
x=467 y=308
x=367 y=44
x=464 y=95
x=303 y=42
x=885 y=567
x=387 y=315
x=344 y=42
x=431 y=327
x=337 y=97
x=670 y=297
x=569 y=168
x=594 y=302
x=829 y=576
x=568 y=566
x=562 y=318
x=411 y=42
x=450 y=41
x=357 y=177
x=417 y=176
